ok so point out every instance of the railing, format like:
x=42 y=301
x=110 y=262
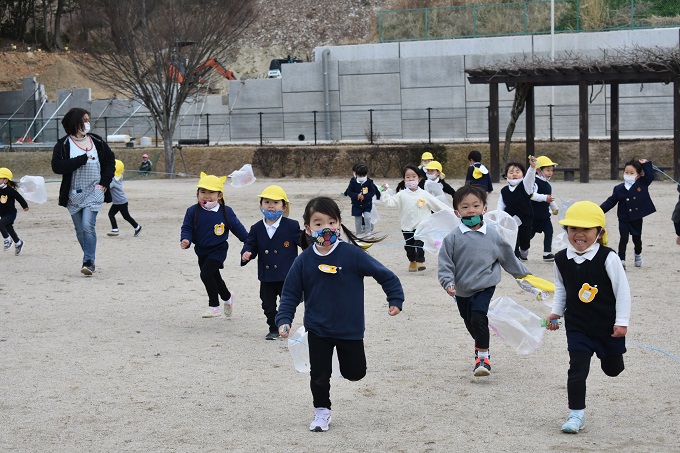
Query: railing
x=524 y=18
x=374 y=125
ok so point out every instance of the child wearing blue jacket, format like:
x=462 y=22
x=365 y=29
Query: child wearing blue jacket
x=632 y=196
x=361 y=191
x=207 y=225
x=331 y=274
x=275 y=239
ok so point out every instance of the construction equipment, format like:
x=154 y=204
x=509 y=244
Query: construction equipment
x=178 y=73
x=275 y=66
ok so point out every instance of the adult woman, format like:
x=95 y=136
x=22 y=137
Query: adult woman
x=86 y=164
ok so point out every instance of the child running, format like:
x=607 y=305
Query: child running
x=676 y=218
x=207 y=225
x=544 y=205
x=477 y=173
x=361 y=191
x=330 y=275
x=632 y=196
x=414 y=205
x=435 y=174
x=276 y=240
x=8 y=211
x=592 y=293
x=515 y=199
x=470 y=261
x=120 y=202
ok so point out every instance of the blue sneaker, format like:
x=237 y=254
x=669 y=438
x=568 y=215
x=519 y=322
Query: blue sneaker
x=574 y=423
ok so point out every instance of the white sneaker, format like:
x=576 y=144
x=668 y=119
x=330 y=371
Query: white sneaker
x=138 y=230
x=638 y=260
x=18 y=246
x=574 y=423
x=212 y=312
x=7 y=244
x=112 y=233
x=229 y=306
x=322 y=418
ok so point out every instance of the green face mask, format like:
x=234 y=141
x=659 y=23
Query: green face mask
x=471 y=221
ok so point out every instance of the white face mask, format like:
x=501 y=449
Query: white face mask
x=209 y=205
x=362 y=180
x=412 y=185
x=432 y=177
x=3 y=185
x=86 y=127
x=515 y=182
x=630 y=179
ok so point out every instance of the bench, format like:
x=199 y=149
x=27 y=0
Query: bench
x=568 y=172
x=193 y=141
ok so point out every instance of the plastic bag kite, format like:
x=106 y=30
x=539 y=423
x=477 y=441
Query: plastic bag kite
x=33 y=188
x=437 y=190
x=516 y=325
x=560 y=242
x=299 y=350
x=434 y=229
x=243 y=177
x=505 y=225
x=375 y=215
x=539 y=287
x=563 y=208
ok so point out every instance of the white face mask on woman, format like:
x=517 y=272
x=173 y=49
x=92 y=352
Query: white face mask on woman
x=86 y=127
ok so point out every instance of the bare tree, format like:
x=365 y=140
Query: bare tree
x=58 y=43
x=153 y=51
x=518 y=104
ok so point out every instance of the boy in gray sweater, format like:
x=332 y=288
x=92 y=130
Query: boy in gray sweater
x=470 y=261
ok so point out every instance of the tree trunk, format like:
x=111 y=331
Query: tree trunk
x=521 y=92
x=45 y=36
x=57 y=25
x=169 y=153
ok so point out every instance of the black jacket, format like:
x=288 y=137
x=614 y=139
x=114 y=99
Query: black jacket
x=63 y=164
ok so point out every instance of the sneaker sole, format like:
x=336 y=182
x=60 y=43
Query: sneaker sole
x=112 y=234
x=482 y=372
x=319 y=429
x=211 y=316
x=86 y=272
x=570 y=430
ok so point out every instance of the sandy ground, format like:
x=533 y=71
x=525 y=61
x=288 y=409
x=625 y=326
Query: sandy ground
x=122 y=361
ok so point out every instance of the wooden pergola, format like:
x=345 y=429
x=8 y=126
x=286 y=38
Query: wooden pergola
x=584 y=76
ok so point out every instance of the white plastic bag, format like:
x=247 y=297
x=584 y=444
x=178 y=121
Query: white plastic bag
x=437 y=190
x=243 y=177
x=33 y=188
x=375 y=215
x=563 y=209
x=505 y=225
x=434 y=229
x=299 y=350
x=516 y=325
x=560 y=242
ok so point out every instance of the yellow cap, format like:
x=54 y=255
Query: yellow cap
x=427 y=156
x=5 y=173
x=211 y=182
x=544 y=161
x=434 y=165
x=119 y=169
x=274 y=193
x=586 y=214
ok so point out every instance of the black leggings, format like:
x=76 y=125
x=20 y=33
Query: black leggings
x=579 y=367
x=123 y=209
x=625 y=229
x=214 y=285
x=7 y=227
x=352 y=359
x=524 y=235
x=414 y=249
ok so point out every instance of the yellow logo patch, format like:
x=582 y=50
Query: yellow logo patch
x=587 y=293
x=364 y=190
x=421 y=202
x=219 y=229
x=328 y=269
x=3 y=199
x=286 y=244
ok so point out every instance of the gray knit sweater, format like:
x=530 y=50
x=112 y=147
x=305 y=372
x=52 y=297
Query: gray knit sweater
x=472 y=261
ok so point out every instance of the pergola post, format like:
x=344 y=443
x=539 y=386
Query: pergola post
x=584 y=161
x=494 y=137
x=614 y=169
x=676 y=129
x=530 y=110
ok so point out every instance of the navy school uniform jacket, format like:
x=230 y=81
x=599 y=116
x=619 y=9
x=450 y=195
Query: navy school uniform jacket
x=367 y=189
x=209 y=231
x=634 y=203
x=276 y=255
x=8 y=196
x=484 y=181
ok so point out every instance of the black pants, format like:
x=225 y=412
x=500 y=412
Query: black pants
x=579 y=367
x=543 y=226
x=7 y=226
x=677 y=228
x=473 y=310
x=414 y=249
x=633 y=229
x=269 y=291
x=352 y=359
x=524 y=235
x=214 y=285
x=123 y=209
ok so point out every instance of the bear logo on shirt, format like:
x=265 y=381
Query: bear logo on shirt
x=587 y=293
x=219 y=229
x=3 y=199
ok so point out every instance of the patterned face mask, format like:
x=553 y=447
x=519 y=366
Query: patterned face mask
x=271 y=215
x=411 y=184
x=208 y=205
x=325 y=237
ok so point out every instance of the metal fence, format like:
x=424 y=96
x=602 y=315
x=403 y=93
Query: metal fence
x=553 y=122
x=524 y=18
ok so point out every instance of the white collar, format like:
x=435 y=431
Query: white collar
x=274 y=225
x=333 y=247
x=215 y=209
x=589 y=255
x=465 y=229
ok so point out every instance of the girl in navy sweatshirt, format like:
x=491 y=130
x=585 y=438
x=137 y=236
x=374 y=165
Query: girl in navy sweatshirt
x=8 y=211
x=207 y=225
x=330 y=275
